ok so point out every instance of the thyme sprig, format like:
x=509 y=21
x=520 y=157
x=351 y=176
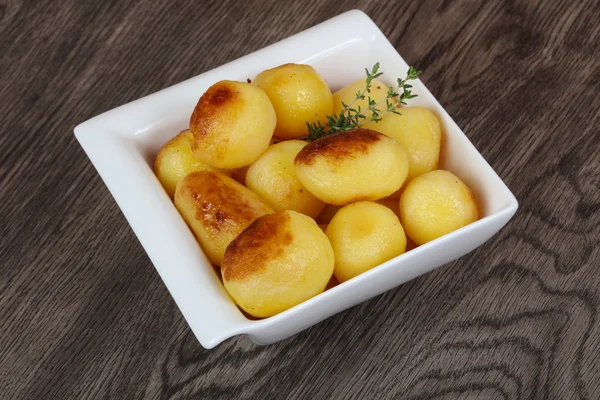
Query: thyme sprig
x=353 y=117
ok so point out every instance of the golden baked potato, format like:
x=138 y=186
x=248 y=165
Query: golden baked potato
x=175 y=160
x=299 y=95
x=272 y=177
x=348 y=93
x=359 y=164
x=232 y=124
x=217 y=209
x=434 y=204
x=418 y=130
x=279 y=261
x=364 y=235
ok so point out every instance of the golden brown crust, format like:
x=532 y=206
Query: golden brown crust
x=219 y=202
x=339 y=147
x=218 y=96
x=263 y=240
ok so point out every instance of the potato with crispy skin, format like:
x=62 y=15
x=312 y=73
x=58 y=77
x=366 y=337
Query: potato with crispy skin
x=434 y=204
x=272 y=177
x=418 y=130
x=232 y=125
x=347 y=95
x=359 y=164
x=279 y=261
x=299 y=95
x=175 y=160
x=217 y=209
x=364 y=235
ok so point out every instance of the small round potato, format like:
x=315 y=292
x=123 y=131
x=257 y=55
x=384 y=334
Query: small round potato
x=418 y=130
x=279 y=261
x=364 y=235
x=299 y=95
x=272 y=177
x=348 y=93
x=359 y=164
x=232 y=124
x=175 y=160
x=217 y=209
x=434 y=204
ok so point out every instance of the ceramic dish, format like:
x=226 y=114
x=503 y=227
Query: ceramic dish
x=123 y=142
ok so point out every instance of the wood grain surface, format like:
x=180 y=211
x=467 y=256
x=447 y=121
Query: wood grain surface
x=85 y=315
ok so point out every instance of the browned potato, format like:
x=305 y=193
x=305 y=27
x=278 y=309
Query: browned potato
x=217 y=209
x=232 y=124
x=279 y=261
x=359 y=164
x=175 y=160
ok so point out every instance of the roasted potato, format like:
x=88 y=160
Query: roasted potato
x=175 y=160
x=418 y=130
x=272 y=177
x=348 y=93
x=232 y=125
x=279 y=261
x=359 y=164
x=299 y=95
x=217 y=209
x=364 y=235
x=434 y=204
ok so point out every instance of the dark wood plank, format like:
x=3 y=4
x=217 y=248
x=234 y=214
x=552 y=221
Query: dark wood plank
x=84 y=314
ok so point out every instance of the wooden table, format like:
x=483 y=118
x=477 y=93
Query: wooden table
x=85 y=315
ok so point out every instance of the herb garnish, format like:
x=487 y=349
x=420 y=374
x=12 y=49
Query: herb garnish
x=350 y=117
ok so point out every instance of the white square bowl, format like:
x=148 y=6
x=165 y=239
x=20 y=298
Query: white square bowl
x=123 y=142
